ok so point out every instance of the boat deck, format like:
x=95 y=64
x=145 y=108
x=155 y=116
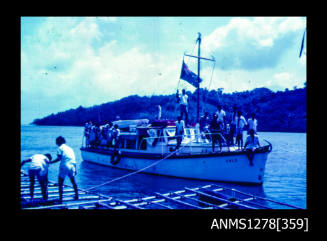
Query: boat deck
x=206 y=197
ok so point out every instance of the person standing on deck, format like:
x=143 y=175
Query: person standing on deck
x=253 y=123
x=159 y=112
x=221 y=116
x=240 y=123
x=179 y=132
x=204 y=121
x=38 y=168
x=92 y=136
x=216 y=132
x=229 y=137
x=232 y=132
x=87 y=130
x=183 y=100
x=67 y=167
x=115 y=133
x=109 y=136
x=98 y=135
x=251 y=143
x=104 y=133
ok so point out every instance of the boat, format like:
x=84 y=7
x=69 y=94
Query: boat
x=151 y=148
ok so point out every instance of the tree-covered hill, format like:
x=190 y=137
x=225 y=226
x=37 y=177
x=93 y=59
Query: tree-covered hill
x=283 y=111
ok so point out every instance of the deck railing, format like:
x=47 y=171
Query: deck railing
x=191 y=139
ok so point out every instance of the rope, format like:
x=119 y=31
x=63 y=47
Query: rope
x=140 y=170
x=204 y=97
x=179 y=77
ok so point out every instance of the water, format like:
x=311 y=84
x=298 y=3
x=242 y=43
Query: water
x=284 y=181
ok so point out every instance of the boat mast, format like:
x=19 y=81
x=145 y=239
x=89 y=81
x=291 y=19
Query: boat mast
x=198 y=90
x=198 y=78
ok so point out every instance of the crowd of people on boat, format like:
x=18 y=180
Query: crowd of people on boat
x=101 y=135
x=226 y=131
x=215 y=128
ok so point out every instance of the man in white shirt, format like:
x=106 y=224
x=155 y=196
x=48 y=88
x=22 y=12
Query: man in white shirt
x=159 y=112
x=87 y=130
x=67 y=167
x=221 y=115
x=109 y=134
x=183 y=100
x=240 y=123
x=253 y=123
x=115 y=136
x=232 y=132
x=251 y=143
x=179 y=131
x=38 y=168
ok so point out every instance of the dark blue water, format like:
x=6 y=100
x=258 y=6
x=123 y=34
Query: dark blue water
x=284 y=181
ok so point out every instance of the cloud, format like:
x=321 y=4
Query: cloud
x=68 y=62
x=62 y=62
x=303 y=59
x=242 y=80
x=108 y=19
x=252 y=44
x=286 y=80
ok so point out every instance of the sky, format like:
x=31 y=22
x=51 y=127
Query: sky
x=67 y=62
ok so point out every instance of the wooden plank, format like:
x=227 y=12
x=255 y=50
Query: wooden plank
x=37 y=185
x=55 y=194
x=159 y=204
x=203 y=202
x=49 y=191
x=129 y=204
x=38 y=203
x=220 y=199
x=237 y=200
x=27 y=190
x=159 y=200
x=162 y=205
x=70 y=199
x=65 y=204
x=148 y=203
x=104 y=205
x=262 y=198
x=249 y=200
x=179 y=202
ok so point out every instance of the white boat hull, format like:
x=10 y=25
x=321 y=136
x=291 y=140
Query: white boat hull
x=225 y=167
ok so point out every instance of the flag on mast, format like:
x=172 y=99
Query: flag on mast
x=189 y=76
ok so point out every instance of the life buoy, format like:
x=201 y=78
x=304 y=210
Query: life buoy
x=115 y=158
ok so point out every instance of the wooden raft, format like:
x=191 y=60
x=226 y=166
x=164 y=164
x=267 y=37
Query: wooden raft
x=206 y=197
